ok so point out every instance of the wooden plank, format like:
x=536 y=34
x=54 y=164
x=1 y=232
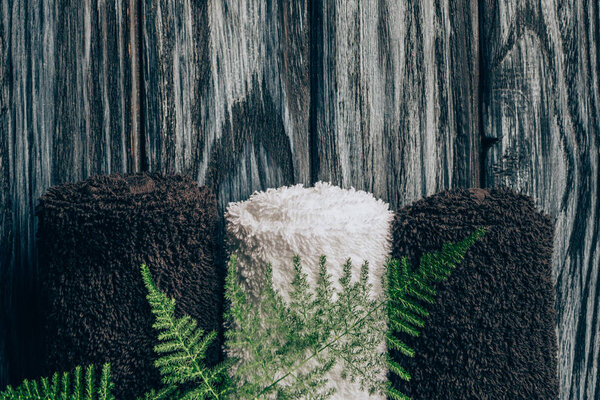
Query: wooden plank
x=5 y=212
x=541 y=101
x=226 y=92
x=395 y=92
x=67 y=81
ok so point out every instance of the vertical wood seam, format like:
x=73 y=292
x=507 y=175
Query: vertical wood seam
x=314 y=22
x=134 y=86
x=138 y=134
x=483 y=143
x=141 y=86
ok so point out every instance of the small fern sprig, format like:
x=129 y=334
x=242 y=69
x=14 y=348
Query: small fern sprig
x=285 y=349
x=68 y=386
x=409 y=293
x=164 y=393
x=182 y=350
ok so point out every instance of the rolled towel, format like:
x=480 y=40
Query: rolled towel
x=92 y=238
x=491 y=332
x=273 y=226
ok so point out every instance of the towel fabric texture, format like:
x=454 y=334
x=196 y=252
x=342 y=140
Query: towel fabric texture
x=92 y=238
x=274 y=225
x=491 y=332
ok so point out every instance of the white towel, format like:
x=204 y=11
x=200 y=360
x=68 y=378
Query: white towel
x=274 y=225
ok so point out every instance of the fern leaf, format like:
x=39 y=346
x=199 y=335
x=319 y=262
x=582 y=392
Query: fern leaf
x=182 y=350
x=287 y=349
x=407 y=316
x=166 y=393
x=415 y=291
x=405 y=303
x=398 y=370
x=67 y=386
x=408 y=294
x=77 y=384
x=64 y=389
x=395 y=394
x=398 y=325
x=89 y=383
x=106 y=384
x=396 y=344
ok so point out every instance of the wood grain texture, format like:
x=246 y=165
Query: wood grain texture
x=541 y=101
x=395 y=92
x=383 y=95
x=226 y=92
x=66 y=114
x=5 y=211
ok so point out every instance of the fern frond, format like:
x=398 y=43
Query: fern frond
x=165 y=393
x=89 y=383
x=77 y=384
x=398 y=370
x=395 y=394
x=106 y=385
x=408 y=294
x=68 y=386
x=182 y=350
x=286 y=349
x=396 y=344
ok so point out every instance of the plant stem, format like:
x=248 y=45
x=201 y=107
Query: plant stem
x=334 y=340
x=320 y=350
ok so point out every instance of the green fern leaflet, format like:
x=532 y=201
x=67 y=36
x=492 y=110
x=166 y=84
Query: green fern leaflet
x=68 y=386
x=409 y=293
x=182 y=350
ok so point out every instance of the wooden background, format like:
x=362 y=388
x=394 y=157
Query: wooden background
x=403 y=98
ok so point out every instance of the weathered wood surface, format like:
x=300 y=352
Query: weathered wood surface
x=226 y=92
x=541 y=100
x=5 y=213
x=395 y=96
x=66 y=113
x=248 y=94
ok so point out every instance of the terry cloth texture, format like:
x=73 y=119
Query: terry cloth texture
x=491 y=332
x=92 y=238
x=273 y=226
